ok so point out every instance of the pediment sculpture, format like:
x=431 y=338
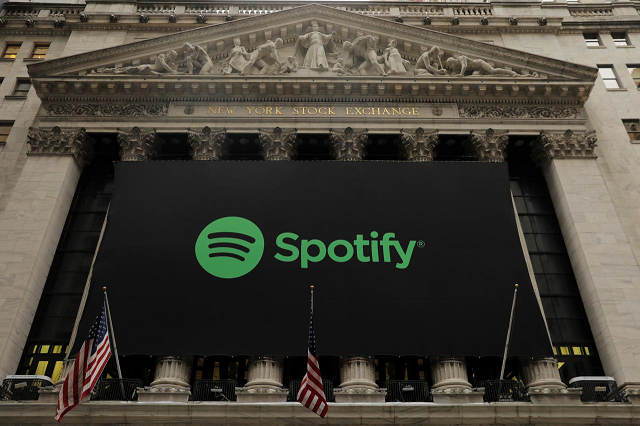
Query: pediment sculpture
x=316 y=52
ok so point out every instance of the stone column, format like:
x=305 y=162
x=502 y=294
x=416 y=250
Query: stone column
x=265 y=381
x=207 y=145
x=419 y=146
x=490 y=146
x=542 y=378
x=348 y=145
x=358 y=381
x=137 y=145
x=451 y=382
x=601 y=255
x=34 y=211
x=170 y=381
x=278 y=146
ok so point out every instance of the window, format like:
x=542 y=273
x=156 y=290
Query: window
x=40 y=51
x=592 y=39
x=633 y=129
x=634 y=70
x=608 y=77
x=5 y=128
x=620 y=39
x=11 y=50
x=22 y=87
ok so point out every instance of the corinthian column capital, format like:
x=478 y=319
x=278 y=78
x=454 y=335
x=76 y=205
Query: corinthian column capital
x=566 y=145
x=419 y=146
x=490 y=146
x=348 y=145
x=137 y=145
x=277 y=145
x=59 y=142
x=207 y=144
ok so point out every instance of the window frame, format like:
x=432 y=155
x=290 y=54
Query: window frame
x=627 y=41
x=631 y=132
x=631 y=68
x=37 y=46
x=9 y=45
x=605 y=79
x=588 y=40
x=5 y=124
x=19 y=81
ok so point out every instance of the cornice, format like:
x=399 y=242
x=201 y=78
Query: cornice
x=406 y=89
x=160 y=102
x=319 y=11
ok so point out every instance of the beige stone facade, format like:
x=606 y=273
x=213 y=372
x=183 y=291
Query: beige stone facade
x=98 y=77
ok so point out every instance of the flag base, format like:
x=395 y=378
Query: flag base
x=48 y=394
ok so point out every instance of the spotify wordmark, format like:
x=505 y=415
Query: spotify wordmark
x=231 y=247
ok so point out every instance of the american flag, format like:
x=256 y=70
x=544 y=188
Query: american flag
x=311 y=393
x=86 y=368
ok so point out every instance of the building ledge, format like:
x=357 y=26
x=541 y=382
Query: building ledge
x=280 y=413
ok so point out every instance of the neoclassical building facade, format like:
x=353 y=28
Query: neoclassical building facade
x=549 y=87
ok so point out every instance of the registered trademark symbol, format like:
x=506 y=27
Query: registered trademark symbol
x=420 y=243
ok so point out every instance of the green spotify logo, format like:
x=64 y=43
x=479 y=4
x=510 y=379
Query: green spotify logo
x=230 y=247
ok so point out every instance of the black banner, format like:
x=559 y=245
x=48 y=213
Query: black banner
x=406 y=258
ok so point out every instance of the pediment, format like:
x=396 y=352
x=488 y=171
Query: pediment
x=339 y=49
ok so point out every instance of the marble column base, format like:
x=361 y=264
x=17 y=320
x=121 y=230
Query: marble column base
x=262 y=394
x=633 y=394
x=458 y=396
x=360 y=394
x=556 y=396
x=49 y=394
x=163 y=394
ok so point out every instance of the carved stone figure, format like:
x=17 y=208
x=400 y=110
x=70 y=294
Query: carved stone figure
x=238 y=58
x=165 y=63
x=430 y=63
x=290 y=66
x=196 y=59
x=464 y=65
x=265 y=58
x=276 y=145
x=362 y=58
x=348 y=146
x=393 y=61
x=419 y=146
x=310 y=48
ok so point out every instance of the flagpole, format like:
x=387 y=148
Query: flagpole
x=112 y=336
x=85 y=293
x=312 y=287
x=506 y=346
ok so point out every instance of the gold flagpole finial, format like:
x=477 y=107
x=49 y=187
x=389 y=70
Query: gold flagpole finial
x=517 y=285
x=312 y=287
x=104 y=288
